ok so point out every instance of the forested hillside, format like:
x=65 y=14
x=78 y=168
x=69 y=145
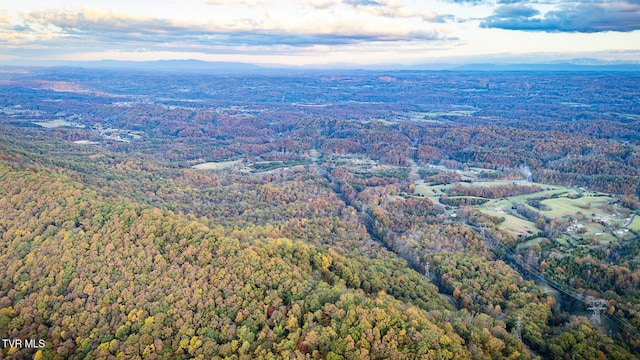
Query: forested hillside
x=95 y=274
x=180 y=216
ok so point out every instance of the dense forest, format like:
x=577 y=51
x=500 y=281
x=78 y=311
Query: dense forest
x=173 y=216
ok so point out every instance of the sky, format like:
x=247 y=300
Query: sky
x=320 y=32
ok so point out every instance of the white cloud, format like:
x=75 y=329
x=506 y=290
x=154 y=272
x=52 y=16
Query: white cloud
x=390 y=8
x=321 y=26
x=322 y=4
x=5 y=17
x=313 y=29
x=248 y=3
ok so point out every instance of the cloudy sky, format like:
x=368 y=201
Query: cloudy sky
x=316 y=32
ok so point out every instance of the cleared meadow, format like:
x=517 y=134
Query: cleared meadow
x=564 y=206
x=556 y=198
x=216 y=165
x=635 y=225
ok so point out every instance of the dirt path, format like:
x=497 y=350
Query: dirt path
x=630 y=221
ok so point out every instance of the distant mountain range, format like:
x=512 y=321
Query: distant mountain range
x=168 y=65
x=561 y=66
x=583 y=64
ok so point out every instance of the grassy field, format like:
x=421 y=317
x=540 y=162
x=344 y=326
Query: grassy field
x=593 y=228
x=550 y=190
x=635 y=225
x=422 y=116
x=216 y=165
x=564 y=241
x=448 y=113
x=527 y=244
x=477 y=169
x=56 y=123
x=434 y=191
x=430 y=191
x=518 y=226
x=605 y=238
x=513 y=224
x=266 y=167
x=562 y=207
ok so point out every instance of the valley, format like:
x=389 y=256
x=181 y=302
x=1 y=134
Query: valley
x=321 y=214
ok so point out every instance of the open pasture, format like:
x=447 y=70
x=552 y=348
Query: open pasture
x=216 y=165
x=513 y=224
x=527 y=244
x=635 y=225
x=564 y=206
x=430 y=191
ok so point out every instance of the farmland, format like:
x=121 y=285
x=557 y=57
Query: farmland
x=216 y=165
x=580 y=208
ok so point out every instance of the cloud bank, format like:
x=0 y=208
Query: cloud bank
x=344 y=22
x=577 y=16
x=371 y=30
